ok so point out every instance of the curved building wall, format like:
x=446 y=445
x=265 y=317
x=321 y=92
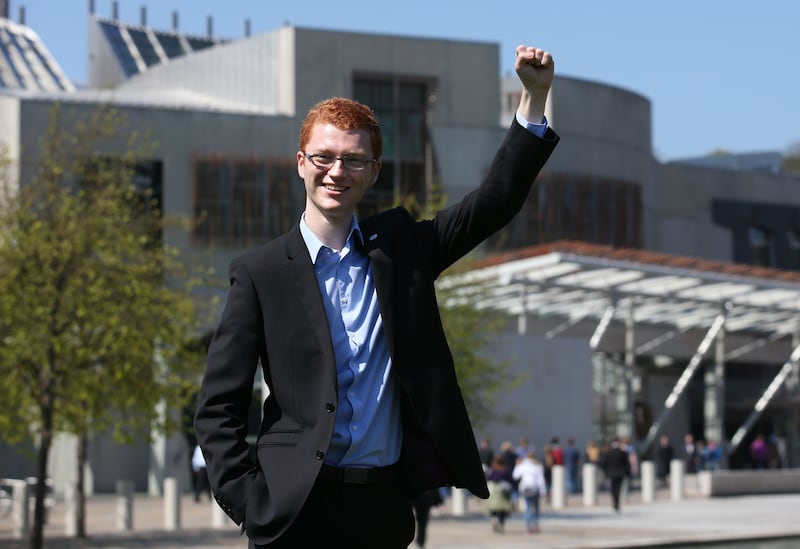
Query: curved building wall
x=605 y=130
x=599 y=181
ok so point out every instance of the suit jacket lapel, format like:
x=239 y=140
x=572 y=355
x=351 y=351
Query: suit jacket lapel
x=301 y=271
x=381 y=264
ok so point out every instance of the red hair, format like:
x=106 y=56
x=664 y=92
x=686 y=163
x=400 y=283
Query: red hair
x=345 y=114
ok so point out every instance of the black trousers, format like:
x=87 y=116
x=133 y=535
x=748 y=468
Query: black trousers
x=616 y=488
x=339 y=515
x=422 y=513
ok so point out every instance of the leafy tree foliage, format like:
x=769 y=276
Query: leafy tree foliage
x=95 y=311
x=470 y=330
x=791 y=162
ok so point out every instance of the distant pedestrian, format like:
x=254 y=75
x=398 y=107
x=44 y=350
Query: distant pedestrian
x=486 y=453
x=530 y=475
x=759 y=452
x=556 y=451
x=422 y=505
x=690 y=453
x=200 y=475
x=547 y=463
x=713 y=455
x=617 y=467
x=572 y=461
x=510 y=457
x=523 y=447
x=664 y=456
x=499 y=506
x=591 y=453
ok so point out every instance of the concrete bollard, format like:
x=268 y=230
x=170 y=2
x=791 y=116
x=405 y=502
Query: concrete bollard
x=70 y=510
x=125 y=505
x=172 y=504
x=648 y=471
x=676 y=479
x=559 y=487
x=458 y=502
x=19 y=508
x=589 y=472
x=625 y=490
x=704 y=483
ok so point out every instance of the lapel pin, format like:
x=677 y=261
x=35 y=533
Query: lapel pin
x=373 y=237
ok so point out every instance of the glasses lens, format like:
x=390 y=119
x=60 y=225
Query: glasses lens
x=322 y=160
x=354 y=164
x=326 y=162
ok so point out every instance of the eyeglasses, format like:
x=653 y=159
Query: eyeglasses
x=327 y=161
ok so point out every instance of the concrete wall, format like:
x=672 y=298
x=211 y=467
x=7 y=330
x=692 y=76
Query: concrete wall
x=180 y=135
x=739 y=483
x=682 y=208
x=464 y=73
x=9 y=142
x=555 y=396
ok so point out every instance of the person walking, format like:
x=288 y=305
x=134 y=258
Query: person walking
x=486 y=453
x=364 y=409
x=532 y=487
x=423 y=504
x=199 y=474
x=499 y=505
x=664 y=456
x=617 y=467
x=572 y=462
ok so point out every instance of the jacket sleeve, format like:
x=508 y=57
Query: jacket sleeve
x=459 y=228
x=221 y=418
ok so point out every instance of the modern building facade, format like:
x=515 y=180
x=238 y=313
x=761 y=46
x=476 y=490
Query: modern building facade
x=226 y=115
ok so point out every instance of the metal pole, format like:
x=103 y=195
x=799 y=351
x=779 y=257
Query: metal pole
x=683 y=381
x=764 y=400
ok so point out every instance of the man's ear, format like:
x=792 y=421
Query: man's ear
x=301 y=159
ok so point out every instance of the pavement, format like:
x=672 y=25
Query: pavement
x=691 y=521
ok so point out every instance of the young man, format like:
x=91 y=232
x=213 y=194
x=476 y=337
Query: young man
x=364 y=410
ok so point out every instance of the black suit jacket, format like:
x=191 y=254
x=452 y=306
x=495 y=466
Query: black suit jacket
x=617 y=463
x=275 y=314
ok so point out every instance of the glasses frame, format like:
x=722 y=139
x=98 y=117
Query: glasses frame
x=344 y=159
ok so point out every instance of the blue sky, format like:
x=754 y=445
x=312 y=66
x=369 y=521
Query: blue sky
x=720 y=75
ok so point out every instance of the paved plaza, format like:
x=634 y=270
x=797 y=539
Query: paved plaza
x=660 y=523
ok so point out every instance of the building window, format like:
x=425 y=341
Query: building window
x=762 y=246
x=401 y=106
x=575 y=207
x=244 y=201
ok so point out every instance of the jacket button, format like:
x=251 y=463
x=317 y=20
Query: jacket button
x=320 y=455
x=329 y=407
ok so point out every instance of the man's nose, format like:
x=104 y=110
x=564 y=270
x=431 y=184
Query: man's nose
x=338 y=166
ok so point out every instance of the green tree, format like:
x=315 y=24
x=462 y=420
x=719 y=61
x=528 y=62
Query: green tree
x=95 y=311
x=791 y=160
x=470 y=331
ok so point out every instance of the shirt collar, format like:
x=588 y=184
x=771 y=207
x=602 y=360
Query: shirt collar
x=314 y=244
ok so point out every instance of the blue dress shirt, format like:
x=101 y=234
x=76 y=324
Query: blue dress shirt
x=368 y=425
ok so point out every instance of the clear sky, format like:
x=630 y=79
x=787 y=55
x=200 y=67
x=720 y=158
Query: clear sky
x=719 y=74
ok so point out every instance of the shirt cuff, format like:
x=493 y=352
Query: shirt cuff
x=539 y=130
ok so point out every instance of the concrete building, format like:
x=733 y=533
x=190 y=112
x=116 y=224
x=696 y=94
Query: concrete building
x=226 y=116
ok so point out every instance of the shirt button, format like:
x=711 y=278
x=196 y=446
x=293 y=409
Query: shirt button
x=320 y=455
x=329 y=407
